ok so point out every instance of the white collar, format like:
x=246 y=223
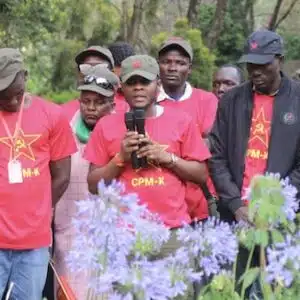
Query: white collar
x=187 y=94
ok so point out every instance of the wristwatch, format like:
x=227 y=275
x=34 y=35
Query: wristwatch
x=118 y=160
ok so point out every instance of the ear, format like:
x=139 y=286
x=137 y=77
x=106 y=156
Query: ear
x=190 y=68
x=25 y=75
x=281 y=61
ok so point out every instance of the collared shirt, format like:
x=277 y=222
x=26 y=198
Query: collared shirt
x=187 y=94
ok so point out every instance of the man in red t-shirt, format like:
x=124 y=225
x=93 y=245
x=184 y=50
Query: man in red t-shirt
x=36 y=142
x=174 y=151
x=175 y=61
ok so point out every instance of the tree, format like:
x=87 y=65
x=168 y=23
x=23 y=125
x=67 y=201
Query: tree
x=217 y=24
x=276 y=19
x=203 y=63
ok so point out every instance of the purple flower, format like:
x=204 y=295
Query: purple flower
x=284 y=261
x=291 y=203
x=213 y=244
x=110 y=228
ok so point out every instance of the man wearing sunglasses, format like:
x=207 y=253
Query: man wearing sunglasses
x=96 y=101
x=172 y=147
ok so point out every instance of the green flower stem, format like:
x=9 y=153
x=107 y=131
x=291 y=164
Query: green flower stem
x=247 y=268
x=234 y=276
x=266 y=289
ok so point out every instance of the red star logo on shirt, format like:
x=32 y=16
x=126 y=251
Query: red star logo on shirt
x=21 y=144
x=260 y=128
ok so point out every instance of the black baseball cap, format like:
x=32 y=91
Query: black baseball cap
x=261 y=47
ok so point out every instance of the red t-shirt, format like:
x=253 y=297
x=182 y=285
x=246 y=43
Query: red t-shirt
x=25 y=208
x=202 y=107
x=258 y=143
x=159 y=188
x=71 y=107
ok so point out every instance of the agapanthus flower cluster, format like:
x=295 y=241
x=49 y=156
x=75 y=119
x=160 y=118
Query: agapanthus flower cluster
x=115 y=234
x=284 y=261
x=212 y=243
x=162 y=279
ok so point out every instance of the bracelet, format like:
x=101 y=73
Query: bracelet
x=174 y=160
x=119 y=162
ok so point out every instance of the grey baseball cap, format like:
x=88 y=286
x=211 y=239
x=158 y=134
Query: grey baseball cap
x=99 y=80
x=95 y=50
x=11 y=63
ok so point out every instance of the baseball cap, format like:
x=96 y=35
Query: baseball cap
x=178 y=42
x=11 y=63
x=140 y=65
x=261 y=47
x=94 y=50
x=99 y=80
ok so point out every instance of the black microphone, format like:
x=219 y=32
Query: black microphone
x=130 y=125
x=139 y=117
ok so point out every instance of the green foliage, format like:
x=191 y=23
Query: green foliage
x=62 y=96
x=233 y=35
x=203 y=62
x=292 y=44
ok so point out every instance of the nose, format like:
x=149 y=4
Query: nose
x=91 y=105
x=138 y=86
x=172 y=67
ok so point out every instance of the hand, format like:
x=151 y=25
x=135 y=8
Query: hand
x=129 y=144
x=153 y=152
x=241 y=214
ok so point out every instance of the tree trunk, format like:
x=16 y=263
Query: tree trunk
x=217 y=24
x=192 y=13
x=285 y=15
x=274 y=16
x=136 y=21
x=123 y=35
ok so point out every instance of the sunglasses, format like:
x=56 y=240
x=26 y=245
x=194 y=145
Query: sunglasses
x=100 y=81
x=87 y=68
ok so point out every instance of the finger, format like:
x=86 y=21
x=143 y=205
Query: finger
x=130 y=134
x=131 y=142
x=144 y=149
x=132 y=149
x=145 y=140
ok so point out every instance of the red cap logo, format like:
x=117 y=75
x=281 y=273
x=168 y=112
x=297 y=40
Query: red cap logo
x=253 y=45
x=136 y=64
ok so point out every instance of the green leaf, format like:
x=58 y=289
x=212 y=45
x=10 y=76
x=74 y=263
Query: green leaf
x=261 y=237
x=249 y=277
x=276 y=236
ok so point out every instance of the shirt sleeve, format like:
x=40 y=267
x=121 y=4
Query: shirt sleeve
x=209 y=113
x=61 y=138
x=96 y=150
x=193 y=146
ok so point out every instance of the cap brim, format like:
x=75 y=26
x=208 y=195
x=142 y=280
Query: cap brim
x=144 y=74
x=257 y=59
x=96 y=89
x=7 y=81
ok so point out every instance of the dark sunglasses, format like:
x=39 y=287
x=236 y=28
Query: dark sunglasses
x=100 y=81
